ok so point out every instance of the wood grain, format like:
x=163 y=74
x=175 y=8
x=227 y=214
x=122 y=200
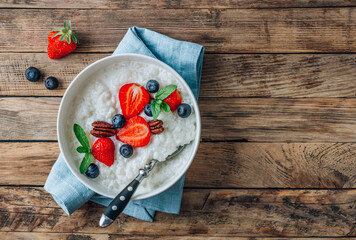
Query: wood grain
x=278 y=120
x=219 y=30
x=103 y=236
x=31 y=118
x=270 y=121
x=14 y=65
x=204 y=213
x=223 y=119
x=217 y=165
x=224 y=75
x=184 y=4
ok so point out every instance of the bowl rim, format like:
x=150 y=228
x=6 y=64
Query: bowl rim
x=196 y=142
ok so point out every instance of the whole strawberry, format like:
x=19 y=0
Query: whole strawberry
x=61 y=41
x=104 y=151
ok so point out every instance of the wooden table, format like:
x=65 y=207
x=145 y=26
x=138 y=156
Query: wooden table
x=278 y=151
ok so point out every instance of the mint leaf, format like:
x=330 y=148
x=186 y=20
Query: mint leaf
x=81 y=136
x=155 y=109
x=85 y=162
x=82 y=149
x=165 y=107
x=165 y=92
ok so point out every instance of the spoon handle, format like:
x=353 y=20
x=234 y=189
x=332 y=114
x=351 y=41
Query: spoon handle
x=119 y=203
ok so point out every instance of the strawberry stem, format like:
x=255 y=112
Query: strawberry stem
x=66 y=34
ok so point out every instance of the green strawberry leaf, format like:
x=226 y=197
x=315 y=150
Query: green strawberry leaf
x=56 y=29
x=82 y=149
x=69 y=24
x=61 y=38
x=85 y=162
x=65 y=24
x=68 y=39
x=75 y=39
x=81 y=136
x=55 y=35
x=165 y=107
x=165 y=92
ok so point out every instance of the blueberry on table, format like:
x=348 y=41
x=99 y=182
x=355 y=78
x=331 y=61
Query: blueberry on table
x=93 y=171
x=152 y=86
x=184 y=110
x=148 y=110
x=118 y=121
x=51 y=83
x=126 y=151
x=32 y=74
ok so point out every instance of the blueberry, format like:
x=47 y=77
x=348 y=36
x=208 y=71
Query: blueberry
x=32 y=74
x=126 y=151
x=184 y=110
x=152 y=86
x=148 y=110
x=51 y=83
x=93 y=171
x=118 y=121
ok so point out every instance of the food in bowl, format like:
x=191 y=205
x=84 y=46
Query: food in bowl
x=143 y=112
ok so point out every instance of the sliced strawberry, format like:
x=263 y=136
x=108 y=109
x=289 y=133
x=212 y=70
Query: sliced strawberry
x=133 y=99
x=136 y=132
x=174 y=100
x=104 y=151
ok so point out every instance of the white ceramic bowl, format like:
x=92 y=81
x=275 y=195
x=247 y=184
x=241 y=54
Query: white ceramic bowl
x=74 y=89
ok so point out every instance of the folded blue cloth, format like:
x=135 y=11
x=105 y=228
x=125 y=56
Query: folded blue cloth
x=184 y=57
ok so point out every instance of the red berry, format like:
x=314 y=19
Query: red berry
x=104 y=151
x=52 y=53
x=174 y=100
x=136 y=132
x=58 y=48
x=133 y=99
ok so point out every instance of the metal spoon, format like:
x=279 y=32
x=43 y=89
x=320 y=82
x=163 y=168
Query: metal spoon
x=119 y=203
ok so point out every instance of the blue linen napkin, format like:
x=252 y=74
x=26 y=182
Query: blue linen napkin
x=184 y=57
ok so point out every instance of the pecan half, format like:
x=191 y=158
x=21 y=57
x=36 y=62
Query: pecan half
x=156 y=126
x=102 y=129
x=157 y=131
x=102 y=124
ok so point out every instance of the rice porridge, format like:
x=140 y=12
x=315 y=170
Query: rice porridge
x=99 y=101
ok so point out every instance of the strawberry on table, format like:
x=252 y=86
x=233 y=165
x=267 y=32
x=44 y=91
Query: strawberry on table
x=104 y=151
x=136 y=132
x=61 y=41
x=173 y=100
x=133 y=99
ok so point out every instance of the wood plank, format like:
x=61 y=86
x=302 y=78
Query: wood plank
x=279 y=120
x=40 y=115
x=224 y=75
x=103 y=236
x=236 y=165
x=206 y=212
x=184 y=4
x=13 y=67
x=223 y=119
x=219 y=30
